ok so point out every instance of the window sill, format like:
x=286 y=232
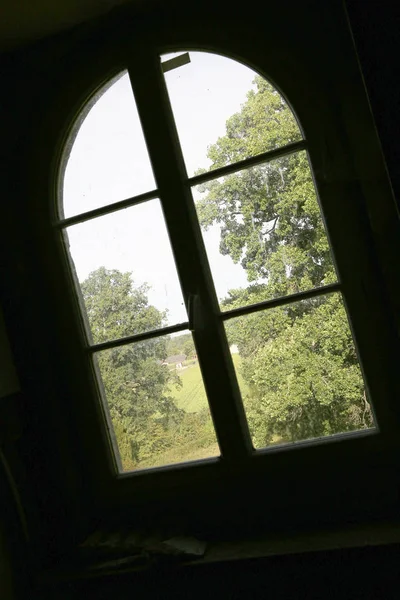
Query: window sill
x=354 y=537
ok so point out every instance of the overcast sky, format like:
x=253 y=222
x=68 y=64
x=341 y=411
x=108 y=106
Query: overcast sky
x=109 y=162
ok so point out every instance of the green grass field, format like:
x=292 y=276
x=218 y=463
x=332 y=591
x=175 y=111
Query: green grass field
x=191 y=397
x=181 y=454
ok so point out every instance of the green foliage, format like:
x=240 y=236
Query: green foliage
x=181 y=344
x=302 y=373
x=299 y=361
x=115 y=308
x=297 y=369
x=148 y=424
x=133 y=378
x=245 y=135
x=269 y=215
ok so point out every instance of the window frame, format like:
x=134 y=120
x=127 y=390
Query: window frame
x=353 y=448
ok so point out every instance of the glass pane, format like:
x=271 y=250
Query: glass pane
x=225 y=112
x=157 y=402
x=298 y=372
x=107 y=159
x=126 y=272
x=264 y=232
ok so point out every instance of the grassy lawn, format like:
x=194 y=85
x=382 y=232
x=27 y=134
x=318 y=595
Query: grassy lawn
x=191 y=397
x=182 y=453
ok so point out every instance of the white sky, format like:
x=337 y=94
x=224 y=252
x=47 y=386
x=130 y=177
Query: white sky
x=109 y=162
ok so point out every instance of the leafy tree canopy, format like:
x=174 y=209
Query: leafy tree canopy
x=138 y=387
x=116 y=308
x=269 y=217
x=299 y=361
x=136 y=384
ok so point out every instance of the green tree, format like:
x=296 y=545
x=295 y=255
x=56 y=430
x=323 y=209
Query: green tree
x=303 y=376
x=116 y=308
x=136 y=384
x=181 y=344
x=268 y=215
x=299 y=362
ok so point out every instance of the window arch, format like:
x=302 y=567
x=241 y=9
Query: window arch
x=214 y=232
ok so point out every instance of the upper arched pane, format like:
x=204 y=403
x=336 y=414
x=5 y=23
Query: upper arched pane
x=108 y=159
x=213 y=99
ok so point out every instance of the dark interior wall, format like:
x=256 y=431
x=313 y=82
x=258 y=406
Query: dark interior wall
x=6 y=572
x=14 y=567
x=376 y=36
x=375 y=27
x=363 y=574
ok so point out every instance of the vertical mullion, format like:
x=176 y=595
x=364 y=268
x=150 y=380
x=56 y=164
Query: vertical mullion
x=187 y=244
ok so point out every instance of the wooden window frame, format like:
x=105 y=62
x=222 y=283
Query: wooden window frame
x=341 y=185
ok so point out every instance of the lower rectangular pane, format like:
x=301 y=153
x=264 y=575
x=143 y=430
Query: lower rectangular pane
x=298 y=372
x=157 y=402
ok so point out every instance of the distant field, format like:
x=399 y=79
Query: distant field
x=181 y=454
x=191 y=397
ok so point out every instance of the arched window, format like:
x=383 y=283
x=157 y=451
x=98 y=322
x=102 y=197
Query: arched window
x=213 y=308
